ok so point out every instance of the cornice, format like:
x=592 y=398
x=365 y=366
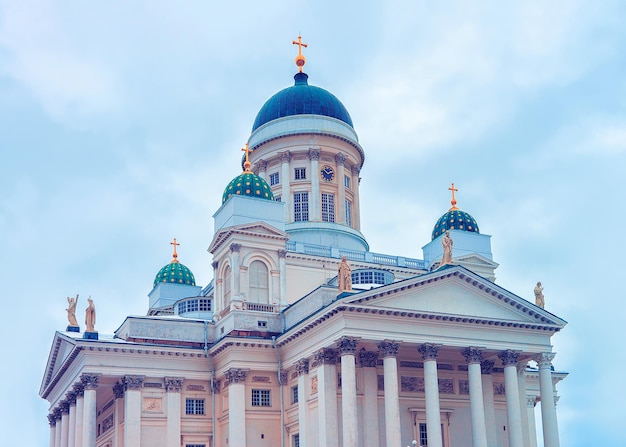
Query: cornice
x=222 y=236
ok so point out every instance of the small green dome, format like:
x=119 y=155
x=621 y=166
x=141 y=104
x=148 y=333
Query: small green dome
x=248 y=184
x=175 y=273
x=455 y=219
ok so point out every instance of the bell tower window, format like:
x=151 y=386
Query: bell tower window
x=259 y=282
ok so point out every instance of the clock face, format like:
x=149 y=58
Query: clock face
x=328 y=173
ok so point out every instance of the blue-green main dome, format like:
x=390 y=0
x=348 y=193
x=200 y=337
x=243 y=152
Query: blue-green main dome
x=302 y=99
x=455 y=219
x=175 y=273
x=248 y=184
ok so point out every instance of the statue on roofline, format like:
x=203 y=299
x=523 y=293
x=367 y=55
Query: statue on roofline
x=71 y=310
x=90 y=316
x=446 y=242
x=344 y=276
x=539 y=299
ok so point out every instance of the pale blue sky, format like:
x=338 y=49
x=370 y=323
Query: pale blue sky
x=121 y=123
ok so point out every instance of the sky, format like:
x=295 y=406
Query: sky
x=122 y=122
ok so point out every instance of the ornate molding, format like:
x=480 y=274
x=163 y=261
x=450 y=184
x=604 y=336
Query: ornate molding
x=388 y=348
x=347 y=345
x=236 y=375
x=302 y=367
x=326 y=356
x=314 y=154
x=508 y=357
x=133 y=382
x=174 y=384
x=282 y=253
x=429 y=351
x=118 y=390
x=65 y=407
x=340 y=159
x=90 y=381
x=235 y=247
x=285 y=157
x=486 y=366
x=368 y=359
x=472 y=355
x=217 y=386
x=71 y=397
x=544 y=360
x=79 y=389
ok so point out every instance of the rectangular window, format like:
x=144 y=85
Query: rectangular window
x=346 y=181
x=261 y=398
x=192 y=306
x=195 y=445
x=205 y=305
x=274 y=179
x=328 y=207
x=301 y=206
x=299 y=173
x=348 y=213
x=423 y=434
x=294 y=395
x=194 y=406
x=296 y=440
x=182 y=307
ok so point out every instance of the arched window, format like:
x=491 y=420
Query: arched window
x=227 y=286
x=259 y=283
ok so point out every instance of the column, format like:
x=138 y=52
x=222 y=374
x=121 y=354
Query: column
x=173 y=386
x=52 y=421
x=57 y=432
x=216 y=408
x=236 y=407
x=327 y=397
x=90 y=383
x=486 y=368
x=357 y=207
x=548 y=408
x=262 y=167
x=521 y=388
x=71 y=434
x=531 y=401
x=302 y=369
x=282 y=266
x=316 y=211
x=389 y=351
x=340 y=159
x=513 y=412
x=369 y=361
x=285 y=180
x=235 y=265
x=431 y=384
x=473 y=357
x=118 y=394
x=132 y=409
x=80 y=397
x=65 y=423
x=347 y=350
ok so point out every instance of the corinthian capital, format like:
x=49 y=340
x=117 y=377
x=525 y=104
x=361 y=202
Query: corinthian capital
x=173 y=383
x=368 y=359
x=347 y=345
x=235 y=247
x=285 y=157
x=340 y=159
x=472 y=355
x=262 y=165
x=90 y=381
x=326 y=356
x=133 y=382
x=486 y=366
x=388 y=348
x=544 y=360
x=314 y=154
x=236 y=375
x=429 y=351
x=508 y=357
x=118 y=390
x=302 y=367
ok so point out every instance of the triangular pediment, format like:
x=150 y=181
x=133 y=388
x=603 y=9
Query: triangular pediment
x=62 y=349
x=457 y=292
x=249 y=230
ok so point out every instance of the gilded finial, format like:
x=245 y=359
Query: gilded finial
x=246 y=164
x=174 y=255
x=453 y=201
x=300 y=59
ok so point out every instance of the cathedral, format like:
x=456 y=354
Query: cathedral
x=305 y=337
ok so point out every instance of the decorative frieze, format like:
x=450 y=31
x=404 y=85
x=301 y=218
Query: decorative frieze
x=174 y=384
x=446 y=386
x=133 y=382
x=302 y=367
x=409 y=364
x=262 y=379
x=544 y=360
x=499 y=389
x=118 y=390
x=107 y=423
x=388 y=348
x=412 y=384
x=326 y=356
x=464 y=387
x=508 y=357
x=152 y=405
x=472 y=355
x=152 y=385
x=486 y=366
x=381 y=382
x=429 y=351
x=90 y=381
x=314 y=385
x=236 y=375
x=347 y=346
x=368 y=359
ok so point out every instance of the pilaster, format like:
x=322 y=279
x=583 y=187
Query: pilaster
x=326 y=360
x=236 y=406
x=368 y=361
x=173 y=386
x=133 y=385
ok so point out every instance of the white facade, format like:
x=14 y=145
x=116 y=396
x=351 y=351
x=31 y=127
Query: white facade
x=271 y=354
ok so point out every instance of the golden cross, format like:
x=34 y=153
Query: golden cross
x=453 y=201
x=300 y=59
x=175 y=255
x=247 y=164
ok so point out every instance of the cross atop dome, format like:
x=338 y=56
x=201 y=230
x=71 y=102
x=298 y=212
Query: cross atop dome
x=246 y=164
x=453 y=201
x=300 y=59
x=174 y=255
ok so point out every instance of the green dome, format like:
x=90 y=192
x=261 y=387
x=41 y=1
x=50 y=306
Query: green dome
x=455 y=219
x=175 y=273
x=248 y=184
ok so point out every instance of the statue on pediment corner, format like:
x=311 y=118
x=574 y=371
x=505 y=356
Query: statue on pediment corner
x=539 y=299
x=344 y=275
x=71 y=310
x=90 y=316
x=446 y=243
